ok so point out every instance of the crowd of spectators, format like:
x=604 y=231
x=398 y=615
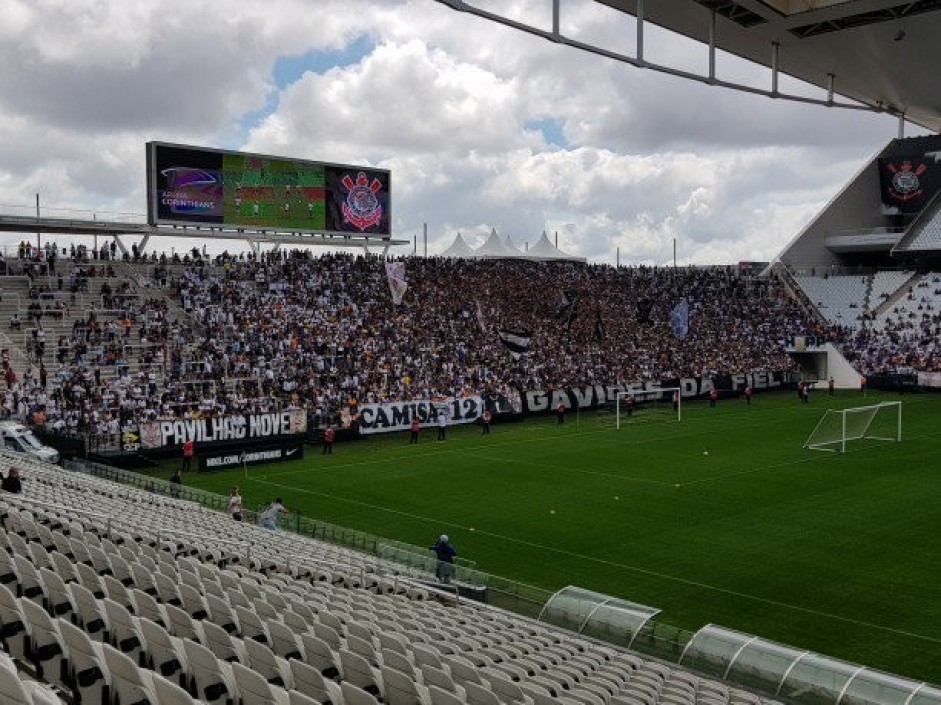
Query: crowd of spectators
x=906 y=338
x=289 y=330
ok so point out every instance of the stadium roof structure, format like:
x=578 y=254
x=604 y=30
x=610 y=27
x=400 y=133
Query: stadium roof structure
x=877 y=55
x=43 y=225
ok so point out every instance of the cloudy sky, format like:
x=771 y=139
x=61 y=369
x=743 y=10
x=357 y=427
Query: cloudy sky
x=482 y=126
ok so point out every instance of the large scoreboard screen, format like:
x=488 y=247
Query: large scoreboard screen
x=217 y=188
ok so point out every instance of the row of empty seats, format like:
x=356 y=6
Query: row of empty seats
x=840 y=299
x=118 y=616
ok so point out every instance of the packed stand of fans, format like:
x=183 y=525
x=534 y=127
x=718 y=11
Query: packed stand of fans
x=904 y=339
x=294 y=331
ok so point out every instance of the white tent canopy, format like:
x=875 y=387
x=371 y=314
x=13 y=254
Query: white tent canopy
x=495 y=248
x=545 y=250
x=459 y=249
x=512 y=246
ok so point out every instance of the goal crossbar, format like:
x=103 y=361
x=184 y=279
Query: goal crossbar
x=670 y=398
x=837 y=427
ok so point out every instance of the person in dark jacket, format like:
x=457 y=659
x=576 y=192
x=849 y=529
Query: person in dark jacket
x=12 y=482
x=445 y=554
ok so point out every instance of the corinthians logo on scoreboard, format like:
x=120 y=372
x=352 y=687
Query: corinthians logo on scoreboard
x=905 y=184
x=362 y=207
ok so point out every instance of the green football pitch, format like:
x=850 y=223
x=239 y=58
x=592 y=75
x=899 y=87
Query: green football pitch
x=721 y=518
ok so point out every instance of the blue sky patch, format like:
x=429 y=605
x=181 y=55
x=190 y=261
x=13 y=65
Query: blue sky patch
x=287 y=71
x=551 y=129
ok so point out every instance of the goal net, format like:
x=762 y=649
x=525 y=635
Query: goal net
x=642 y=406
x=879 y=422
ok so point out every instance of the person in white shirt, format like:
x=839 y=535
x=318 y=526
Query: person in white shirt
x=235 y=504
x=269 y=518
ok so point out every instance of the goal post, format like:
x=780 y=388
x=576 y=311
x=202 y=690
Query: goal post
x=663 y=402
x=837 y=427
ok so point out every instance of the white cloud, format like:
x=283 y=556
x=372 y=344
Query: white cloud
x=445 y=100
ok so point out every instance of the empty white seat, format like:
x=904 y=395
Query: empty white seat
x=13 y=627
x=250 y=625
x=90 y=613
x=182 y=625
x=284 y=641
x=311 y=682
x=169 y=693
x=271 y=667
x=167 y=591
x=165 y=653
x=444 y=697
x=319 y=654
x=46 y=649
x=58 y=600
x=63 y=567
x=222 y=644
x=400 y=689
x=358 y=672
x=353 y=695
x=212 y=678
x=90 y=580
x=255 y=690
x=29 y=584
x=131 y=684
x=15 y=692
x=89 y=676
x=125 y=631
x=146 y=606
x=296 y=697
x=221 y=613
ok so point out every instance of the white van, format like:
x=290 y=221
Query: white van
x=17 y=438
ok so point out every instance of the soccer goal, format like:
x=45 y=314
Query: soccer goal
x=665 y=404
x=878 y=422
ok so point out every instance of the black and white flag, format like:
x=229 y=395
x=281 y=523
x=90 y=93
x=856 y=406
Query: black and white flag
x=517 y=342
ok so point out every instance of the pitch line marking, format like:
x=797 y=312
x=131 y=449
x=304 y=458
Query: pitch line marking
x=622 y=566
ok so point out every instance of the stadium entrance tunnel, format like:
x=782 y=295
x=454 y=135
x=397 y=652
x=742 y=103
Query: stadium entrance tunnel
x=797 y=676
x=595 y=615
x=782 y=672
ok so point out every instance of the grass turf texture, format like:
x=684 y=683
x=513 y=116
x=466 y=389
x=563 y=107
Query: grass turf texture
x=823 y=551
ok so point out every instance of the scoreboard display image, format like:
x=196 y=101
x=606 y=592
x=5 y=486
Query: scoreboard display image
x=207 y=187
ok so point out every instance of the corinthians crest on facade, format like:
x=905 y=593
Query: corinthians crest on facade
x=905 y=184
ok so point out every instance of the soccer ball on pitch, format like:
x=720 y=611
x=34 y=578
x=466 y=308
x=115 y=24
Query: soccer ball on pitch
x=705 y=452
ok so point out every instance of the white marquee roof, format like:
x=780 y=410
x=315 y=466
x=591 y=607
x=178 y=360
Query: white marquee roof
x=459 y=249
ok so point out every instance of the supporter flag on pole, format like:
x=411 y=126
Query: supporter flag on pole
x=395 y=271
x=481 y=321
x=517 y=342
x=679 y=319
